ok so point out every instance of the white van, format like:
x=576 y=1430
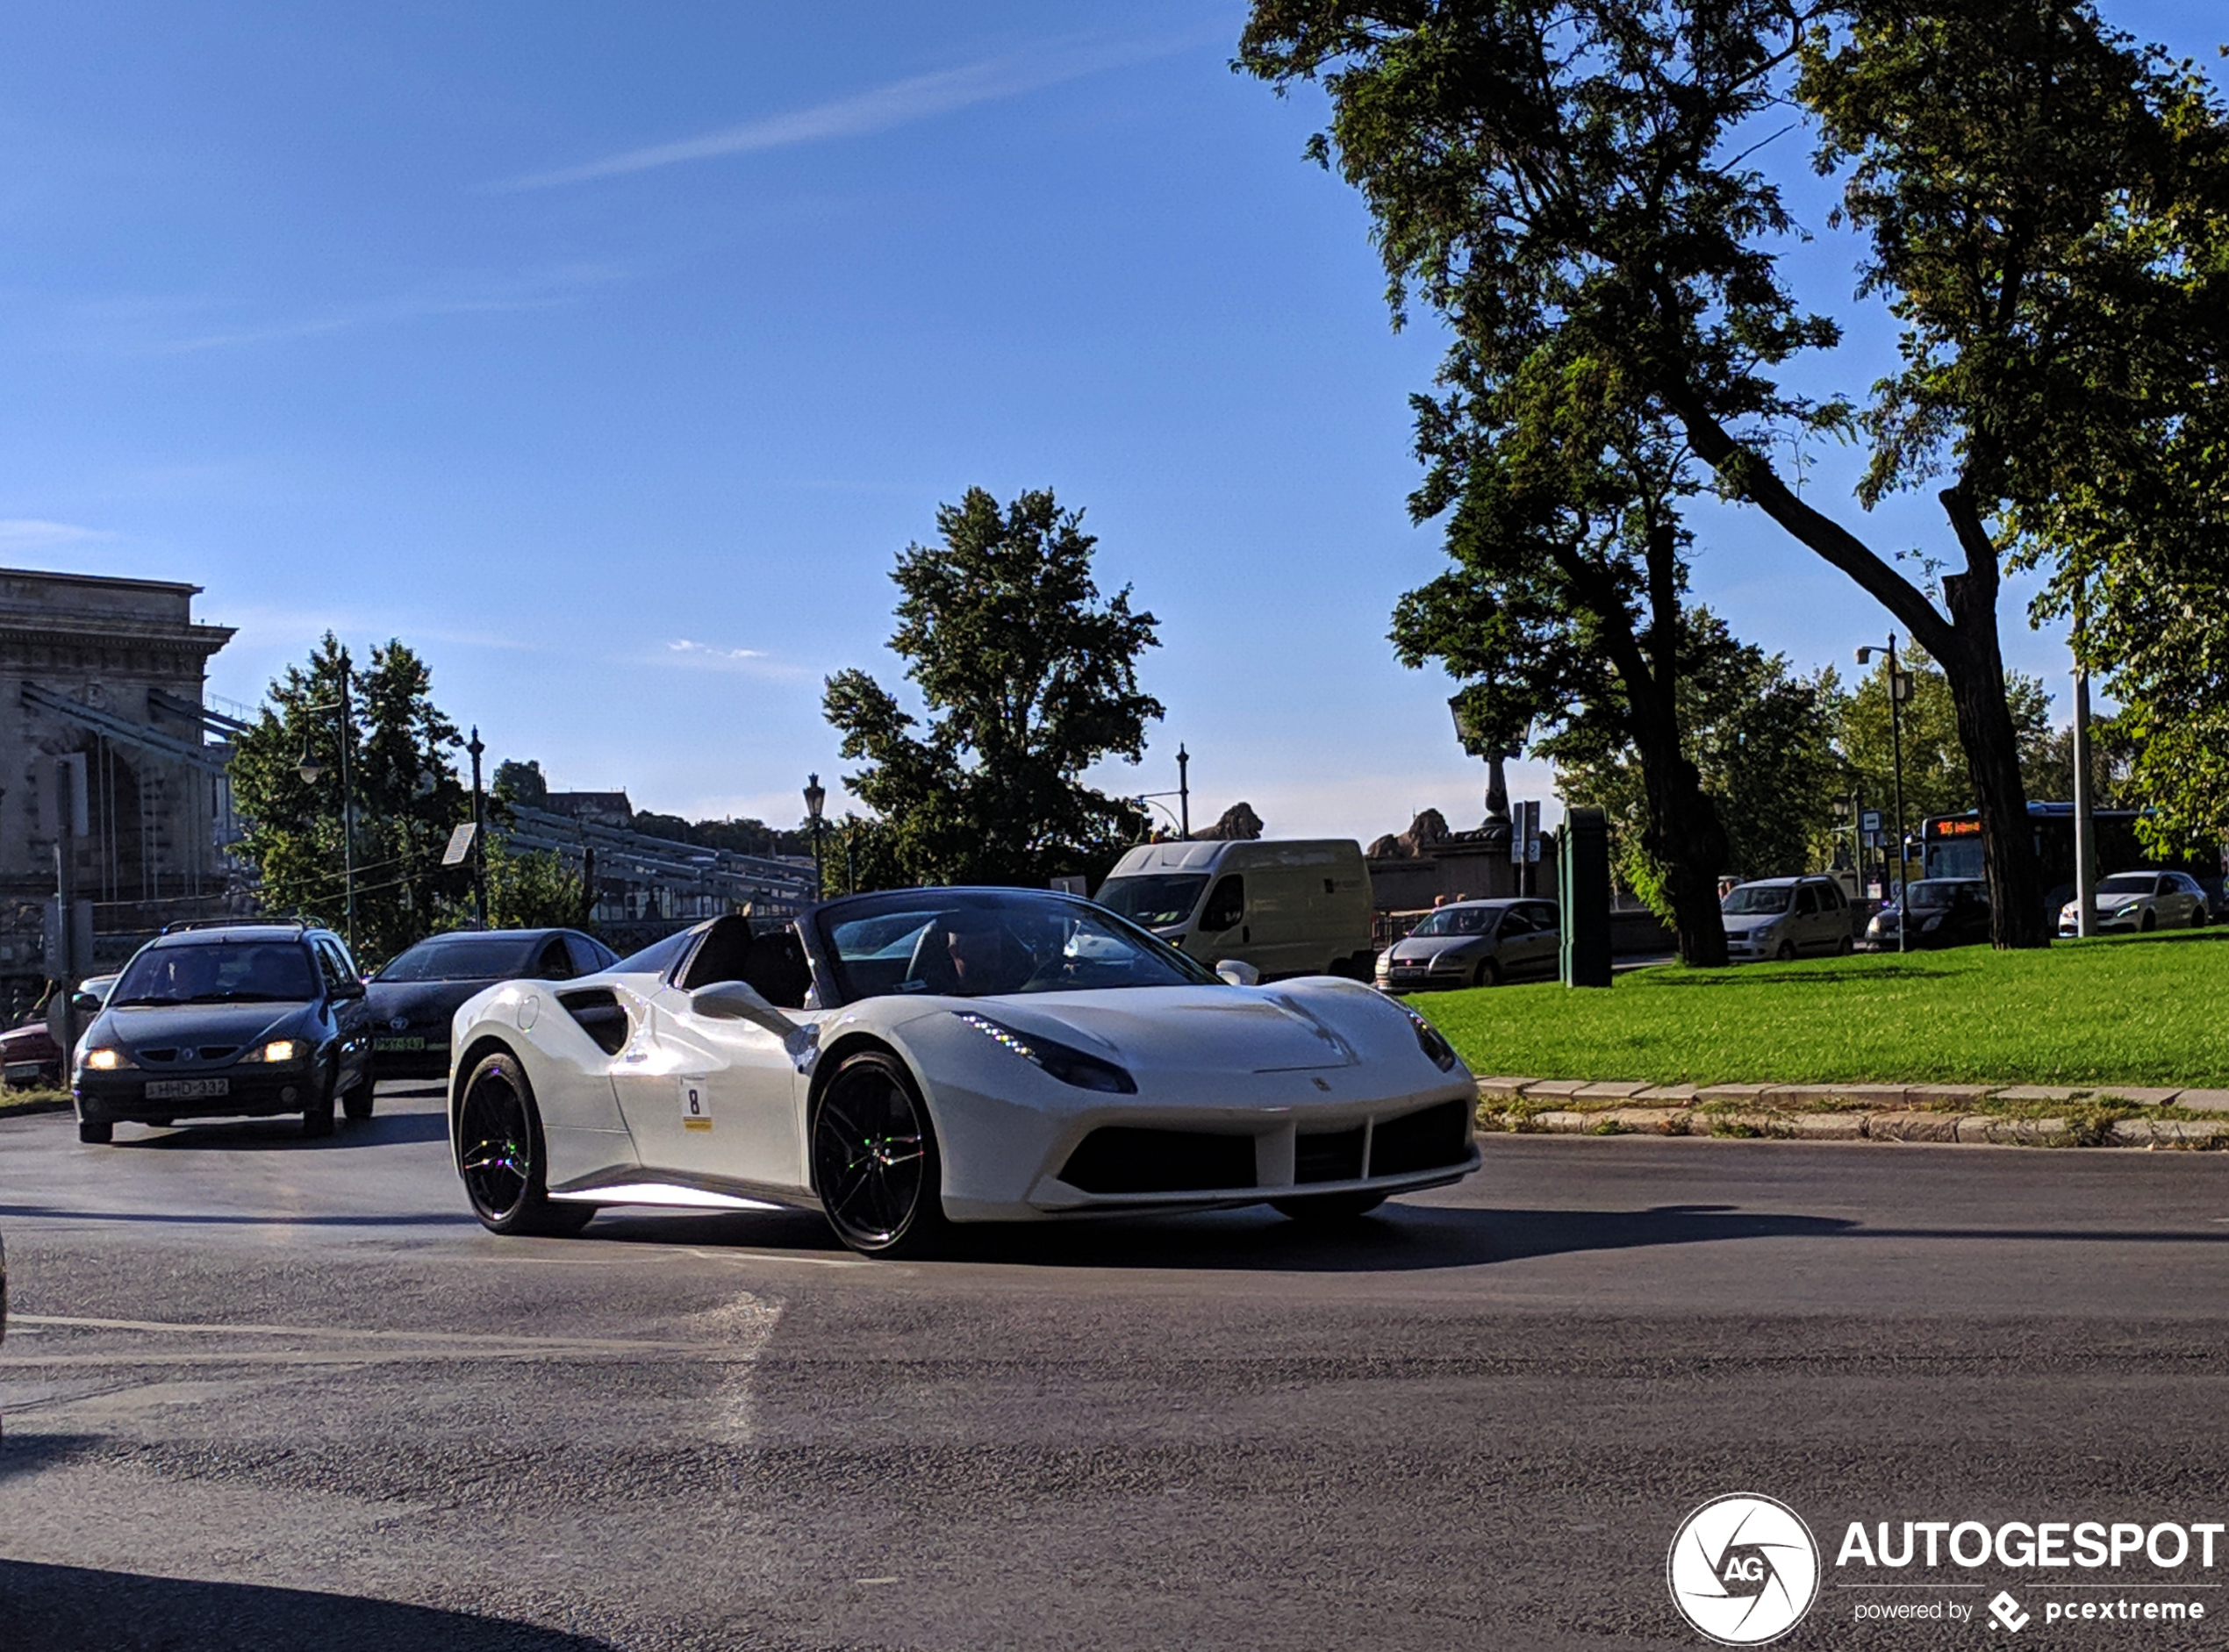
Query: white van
x=1287 y=908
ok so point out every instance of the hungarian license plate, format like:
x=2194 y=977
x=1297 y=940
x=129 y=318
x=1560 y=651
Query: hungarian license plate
x=187 y=1089
x=378 y=1044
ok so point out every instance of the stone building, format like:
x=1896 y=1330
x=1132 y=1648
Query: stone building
x=105 y=677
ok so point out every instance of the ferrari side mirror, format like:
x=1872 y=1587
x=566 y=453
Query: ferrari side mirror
x=1238 y=972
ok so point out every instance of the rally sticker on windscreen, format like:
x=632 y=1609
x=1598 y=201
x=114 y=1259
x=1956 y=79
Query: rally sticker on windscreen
x=696 y=1105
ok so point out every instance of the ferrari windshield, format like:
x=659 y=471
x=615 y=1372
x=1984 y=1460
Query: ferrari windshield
x=219 y=972
x=1156 y=900
x=464 y=958
x=981 y=942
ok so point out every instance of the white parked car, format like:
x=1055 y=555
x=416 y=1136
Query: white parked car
x=1787 y=918
x=2143 y=901
x=907 y=1059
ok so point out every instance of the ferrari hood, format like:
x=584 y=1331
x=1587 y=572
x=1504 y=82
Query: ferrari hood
x=1199 y=1029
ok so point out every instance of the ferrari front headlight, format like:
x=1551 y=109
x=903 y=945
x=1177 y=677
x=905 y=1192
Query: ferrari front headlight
x=1069 y=1065
x=1429 y=1040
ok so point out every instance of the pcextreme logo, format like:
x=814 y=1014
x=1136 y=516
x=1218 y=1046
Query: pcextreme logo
x=1743 y=1569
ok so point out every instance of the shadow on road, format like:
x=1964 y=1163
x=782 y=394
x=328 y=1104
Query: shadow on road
x=239 y=1219
x=72 y=1609
x=266 y=1135
x=1399 y=1238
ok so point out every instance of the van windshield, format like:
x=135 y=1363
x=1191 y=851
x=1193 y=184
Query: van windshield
x=1156 y=900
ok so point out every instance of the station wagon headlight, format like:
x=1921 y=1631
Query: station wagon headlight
x=2129 y=910
x=1069 y=1065
x=1429 y=1040
x=279 y=1049
x=107 y=1061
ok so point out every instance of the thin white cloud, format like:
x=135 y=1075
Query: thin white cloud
x=705 y=651
x=535 y=289
x=21 y=532
x=705 y=656
x=879 y=109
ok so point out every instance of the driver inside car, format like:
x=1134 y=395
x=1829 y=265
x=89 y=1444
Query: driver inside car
x=984 y=960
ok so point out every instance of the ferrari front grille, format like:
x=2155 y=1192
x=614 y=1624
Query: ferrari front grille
x=1124 y=1159
x=1426 y=1141
x=1334 y=1156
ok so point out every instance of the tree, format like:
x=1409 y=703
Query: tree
x=1759 y=738
x=533 y=889
x=1582 y=172
x=1028 y=679
x=1564 y=609
x=521 y=783
x=1936 y=778
x=402 y=782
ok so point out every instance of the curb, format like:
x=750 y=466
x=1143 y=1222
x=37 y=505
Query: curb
x=1885 y=1113
x=22 y=1109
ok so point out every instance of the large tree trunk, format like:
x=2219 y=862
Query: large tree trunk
x=1975 y=667
x=1685 y=837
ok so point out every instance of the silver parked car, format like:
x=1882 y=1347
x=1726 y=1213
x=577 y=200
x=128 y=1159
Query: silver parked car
x=2144 y=901
x=1787 y=918
x=1477 y=943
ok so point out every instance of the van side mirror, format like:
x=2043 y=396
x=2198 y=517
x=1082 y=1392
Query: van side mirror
x=1238 y=973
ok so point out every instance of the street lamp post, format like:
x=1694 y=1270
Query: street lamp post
x=816 y=798
x=479 y=836
x=310 y=770
x=1899 y=691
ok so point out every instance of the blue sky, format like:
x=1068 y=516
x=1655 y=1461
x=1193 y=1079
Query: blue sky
x=608 y=354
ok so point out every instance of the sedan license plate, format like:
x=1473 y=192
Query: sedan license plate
x=187 y=1089
x=378 y=1044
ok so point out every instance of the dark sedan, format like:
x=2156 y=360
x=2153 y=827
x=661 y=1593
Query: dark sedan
x=1945 y=911
x=244 y=1020
x=414 y=997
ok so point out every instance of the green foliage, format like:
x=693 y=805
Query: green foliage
x=404 y=785
x=1028 y=679
x=1760 y=739
x=521 y=783
x=535 y=889
x=1577 y=188
x=1936 y=779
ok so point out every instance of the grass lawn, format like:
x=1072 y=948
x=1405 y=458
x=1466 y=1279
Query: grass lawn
x=2133 y=1010
x=34 y=1098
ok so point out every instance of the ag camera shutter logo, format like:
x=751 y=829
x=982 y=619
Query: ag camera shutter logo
x=1743 y=1569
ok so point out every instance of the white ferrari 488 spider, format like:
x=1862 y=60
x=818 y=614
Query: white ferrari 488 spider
x=913 y=1058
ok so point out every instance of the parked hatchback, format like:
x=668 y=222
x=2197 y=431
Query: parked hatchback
x=1787 y=918
x=245 y=1019
x=1477 y=943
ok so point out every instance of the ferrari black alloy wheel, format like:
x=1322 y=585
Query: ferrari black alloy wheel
x=499 y=1154
x=874 y=1159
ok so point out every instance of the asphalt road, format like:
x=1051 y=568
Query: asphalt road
x=265 y=1392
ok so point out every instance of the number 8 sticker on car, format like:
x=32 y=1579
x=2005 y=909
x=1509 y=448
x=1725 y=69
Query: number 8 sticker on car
x=696 y=1105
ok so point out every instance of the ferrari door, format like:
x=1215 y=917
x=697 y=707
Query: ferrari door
x=710 y=1096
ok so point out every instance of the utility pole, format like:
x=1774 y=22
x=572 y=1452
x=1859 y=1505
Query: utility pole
x=1899 y=686
x=479 y=836
x=2085 y=805
x=1184 y=793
